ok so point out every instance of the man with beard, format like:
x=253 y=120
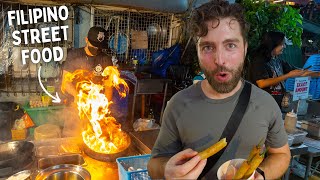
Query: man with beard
x=90 y=58
x=199 y=116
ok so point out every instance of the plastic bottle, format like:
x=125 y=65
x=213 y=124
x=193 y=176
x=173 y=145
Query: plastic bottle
x=150 y=115
x=135 y=63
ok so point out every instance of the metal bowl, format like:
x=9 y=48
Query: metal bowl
x=64 y=172
x=22 y=175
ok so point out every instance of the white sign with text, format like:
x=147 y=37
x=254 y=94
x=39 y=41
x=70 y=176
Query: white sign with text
x=301 y=88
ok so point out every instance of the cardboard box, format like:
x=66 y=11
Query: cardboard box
x=139 y=39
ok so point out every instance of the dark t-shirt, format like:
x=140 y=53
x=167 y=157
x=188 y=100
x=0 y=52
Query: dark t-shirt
x=263 y=69
x=77 y=59
x=274 y=68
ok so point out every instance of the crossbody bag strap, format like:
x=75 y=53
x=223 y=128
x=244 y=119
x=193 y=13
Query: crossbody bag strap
x=231 y=127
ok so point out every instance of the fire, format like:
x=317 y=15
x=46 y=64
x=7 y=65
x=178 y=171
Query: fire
x=102 y=133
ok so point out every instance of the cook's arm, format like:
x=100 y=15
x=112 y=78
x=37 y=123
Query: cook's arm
x=277 y=162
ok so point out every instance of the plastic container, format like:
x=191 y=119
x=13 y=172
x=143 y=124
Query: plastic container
x=299 y=136
x=290 y=140
x=290 y=121
x=312 y=128
x=19 y=134
x=133 y=167
x=234 y=162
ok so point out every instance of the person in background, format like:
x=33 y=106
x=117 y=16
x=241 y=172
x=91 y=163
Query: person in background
x=199 y=77
x=89 y=58
x=268 y=71
x=195 y=118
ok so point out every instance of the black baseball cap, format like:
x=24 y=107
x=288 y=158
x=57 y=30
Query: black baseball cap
x=97 y=36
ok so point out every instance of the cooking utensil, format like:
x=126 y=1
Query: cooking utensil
x=153 y=29
x=14 y=156
x=64 y=172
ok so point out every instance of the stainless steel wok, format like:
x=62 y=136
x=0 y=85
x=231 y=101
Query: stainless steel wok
x=14 y=156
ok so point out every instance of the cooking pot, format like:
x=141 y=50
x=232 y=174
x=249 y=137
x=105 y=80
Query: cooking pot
x=14 y=156
x=64 y=172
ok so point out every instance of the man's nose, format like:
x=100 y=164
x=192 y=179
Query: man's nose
x=218 y=58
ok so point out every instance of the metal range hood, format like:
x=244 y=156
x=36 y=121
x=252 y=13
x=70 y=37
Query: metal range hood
x=171 y=6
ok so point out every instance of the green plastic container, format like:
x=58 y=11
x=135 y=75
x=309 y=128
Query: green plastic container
x=43 y=115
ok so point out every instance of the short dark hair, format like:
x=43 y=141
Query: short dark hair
x=215 y=10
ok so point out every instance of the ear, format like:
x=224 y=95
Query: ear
x=245 y=47
x=86 y=39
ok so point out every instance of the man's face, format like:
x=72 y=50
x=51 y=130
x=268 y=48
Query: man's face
x=93 y=50
x=221 y=54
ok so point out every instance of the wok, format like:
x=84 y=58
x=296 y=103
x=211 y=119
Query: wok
x=105 y=157
x=14 y=156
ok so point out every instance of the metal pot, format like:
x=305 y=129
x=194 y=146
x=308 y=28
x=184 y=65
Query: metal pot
x=153 y=29
x=14 y=156
x=64 y=172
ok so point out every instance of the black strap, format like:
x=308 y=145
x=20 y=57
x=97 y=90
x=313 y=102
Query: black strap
x=261 y=172
x=231 y=127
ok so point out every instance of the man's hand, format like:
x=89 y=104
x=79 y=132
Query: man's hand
x=184 y=165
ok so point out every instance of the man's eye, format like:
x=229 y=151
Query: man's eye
x=231 y=46
x=207 y=48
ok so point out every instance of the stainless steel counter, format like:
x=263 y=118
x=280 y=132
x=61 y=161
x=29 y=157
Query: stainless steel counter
x=99 y=170
x=144 y=140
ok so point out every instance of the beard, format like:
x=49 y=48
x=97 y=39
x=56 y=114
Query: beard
x=223 y=87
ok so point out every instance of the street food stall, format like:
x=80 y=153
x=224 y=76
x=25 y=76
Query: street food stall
x=44 y=135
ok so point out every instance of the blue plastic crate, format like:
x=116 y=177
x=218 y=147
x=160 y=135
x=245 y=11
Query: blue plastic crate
x=136 y=162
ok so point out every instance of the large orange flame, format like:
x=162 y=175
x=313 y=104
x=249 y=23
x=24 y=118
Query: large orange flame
x=102 y=133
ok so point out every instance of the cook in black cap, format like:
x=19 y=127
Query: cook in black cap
x=96 y=40
x=89 y=58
